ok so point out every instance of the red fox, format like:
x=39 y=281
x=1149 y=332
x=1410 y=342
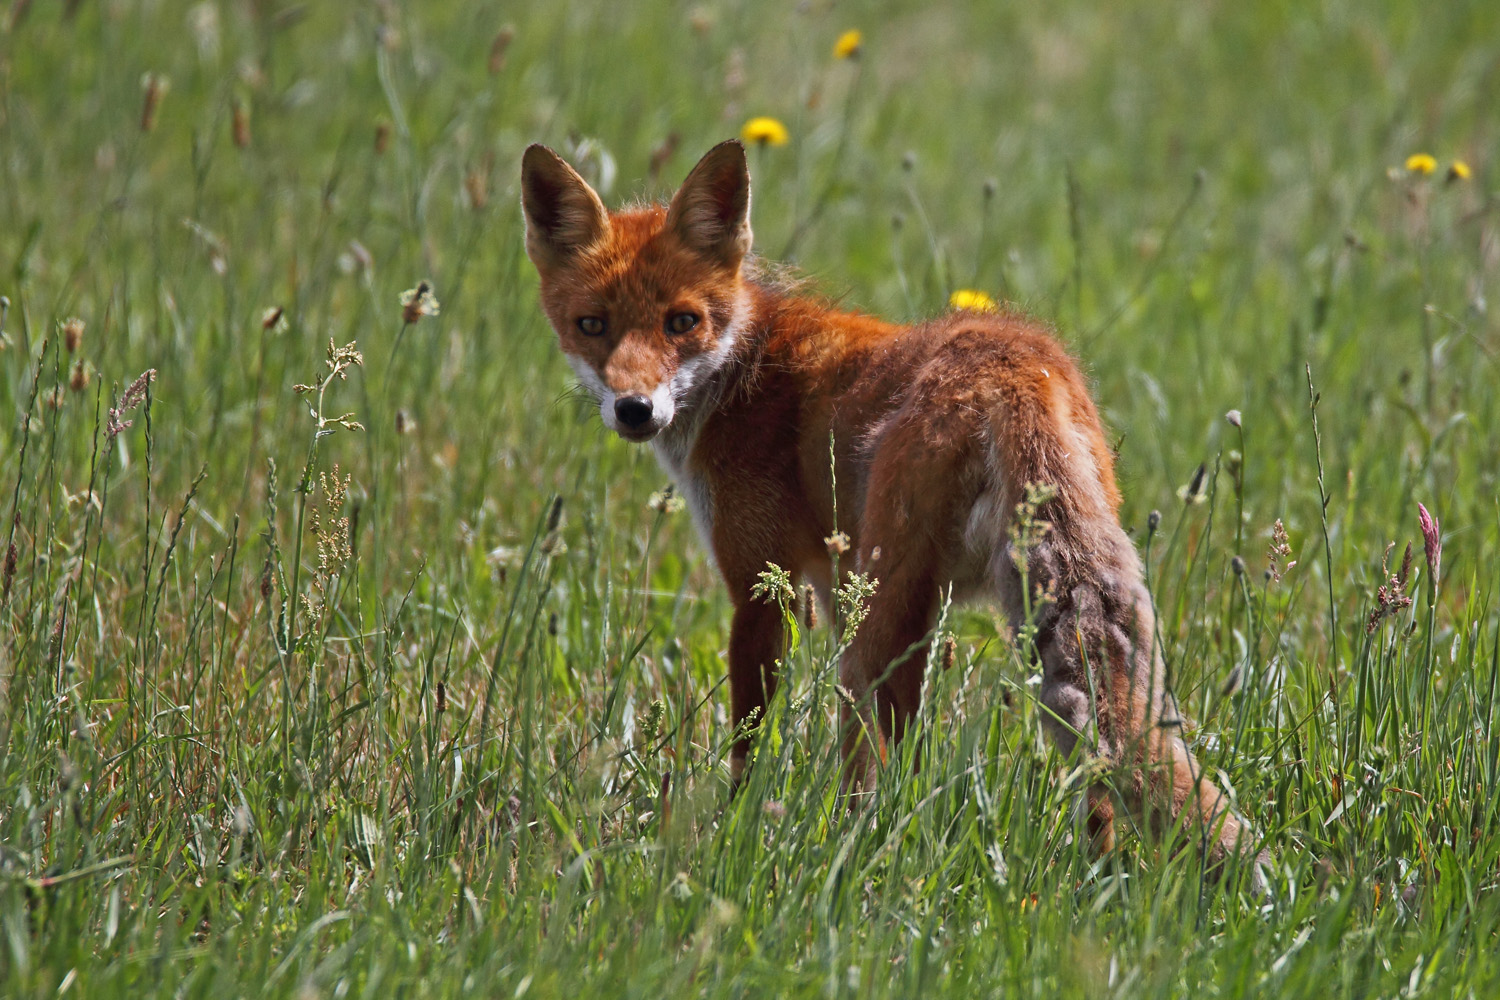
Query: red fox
x=938 y=430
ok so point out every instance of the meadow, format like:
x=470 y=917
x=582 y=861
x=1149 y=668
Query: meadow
x=345 y=654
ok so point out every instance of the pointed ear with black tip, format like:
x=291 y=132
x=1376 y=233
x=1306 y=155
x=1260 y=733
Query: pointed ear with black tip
x=563 y=214
x=711 y=211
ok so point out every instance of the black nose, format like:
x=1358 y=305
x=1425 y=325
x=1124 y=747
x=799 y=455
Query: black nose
x=633 y=411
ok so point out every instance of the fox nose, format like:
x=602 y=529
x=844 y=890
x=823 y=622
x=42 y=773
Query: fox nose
x=633 y=411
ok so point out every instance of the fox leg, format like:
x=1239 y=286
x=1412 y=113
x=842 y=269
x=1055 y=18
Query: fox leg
x=757 y=634
x=755 y=643
x=881 y=672
x=901 y=547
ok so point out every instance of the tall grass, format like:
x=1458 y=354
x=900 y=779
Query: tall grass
x=411 y=683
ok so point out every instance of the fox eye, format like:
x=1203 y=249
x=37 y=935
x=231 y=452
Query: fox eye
x=591 y=325
x=681 y=322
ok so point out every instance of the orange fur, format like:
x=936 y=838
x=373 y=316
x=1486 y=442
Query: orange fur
x=937 y=430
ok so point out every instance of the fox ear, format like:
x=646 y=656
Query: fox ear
x=563 y=214
x=711 y=211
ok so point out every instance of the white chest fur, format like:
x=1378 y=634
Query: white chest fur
x=673 y=449
x=695 y=390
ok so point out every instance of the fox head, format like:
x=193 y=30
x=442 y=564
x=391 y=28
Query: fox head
x=647 y=303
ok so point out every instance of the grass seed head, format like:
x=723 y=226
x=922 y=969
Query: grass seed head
x=1277 y=551
x=1432 y=541
x=10 y=570
x=360 y=256
x=72 y=331
x=1391 y=599
x=1231 y=684
x=418 y=302
x=734 y=76
x=240 y=125
x=1196 y=490
x=774 y=586
x=837 y=543
x=133 y=396
x=499 y=46
x=477 y=187
x=809 y=607
x=665 y=501
x=155 y=87
x=663 y=153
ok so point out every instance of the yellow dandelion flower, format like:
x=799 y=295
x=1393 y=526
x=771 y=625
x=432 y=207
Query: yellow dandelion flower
x=1421 y=163
x=1458 y=170
x=971 y=298
x=848 y=45
x=765 y=132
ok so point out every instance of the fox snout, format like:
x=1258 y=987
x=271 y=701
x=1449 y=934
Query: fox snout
x=639 y=416
x=637 y=412
x=634 y=411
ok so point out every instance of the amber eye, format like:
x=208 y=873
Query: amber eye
x=591 y=325
x=681 y=322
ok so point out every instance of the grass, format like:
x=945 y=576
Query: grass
x=434 y=707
